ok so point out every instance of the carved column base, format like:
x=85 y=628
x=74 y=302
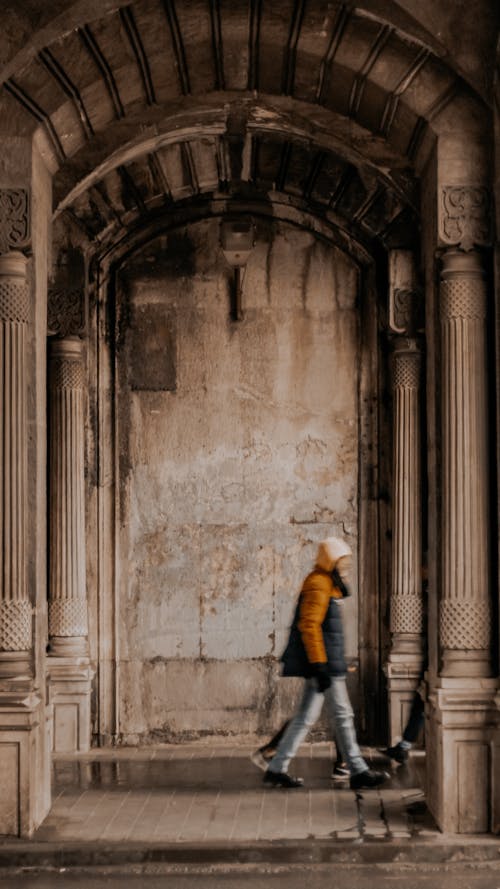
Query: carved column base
x=460 y=662
x=69 y=682
x=461 y=719
x=24 y=765
x=495 y=753
x=403 y=671
x=16 y=665
x=69 y=646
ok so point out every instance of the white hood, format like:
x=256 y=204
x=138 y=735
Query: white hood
x=330 y=551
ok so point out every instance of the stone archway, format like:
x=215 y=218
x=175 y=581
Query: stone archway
x=325 y=112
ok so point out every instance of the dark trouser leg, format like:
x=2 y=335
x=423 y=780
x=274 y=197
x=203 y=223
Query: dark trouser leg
x=415 y=720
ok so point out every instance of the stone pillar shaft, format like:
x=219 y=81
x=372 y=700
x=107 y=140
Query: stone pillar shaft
x=405 y=659
x=69 y=674
x=15 y=606
x=465 y=609
x=406 y=598
x=67 y=584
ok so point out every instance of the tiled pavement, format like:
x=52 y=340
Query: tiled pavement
x=214 y=794
x=202 y=812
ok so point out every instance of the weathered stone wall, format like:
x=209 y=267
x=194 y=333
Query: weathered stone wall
x=238 y=444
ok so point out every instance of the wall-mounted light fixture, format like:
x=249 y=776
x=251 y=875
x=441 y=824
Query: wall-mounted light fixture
x=237 y=241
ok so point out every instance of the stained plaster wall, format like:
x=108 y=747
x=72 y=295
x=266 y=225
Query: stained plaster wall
x=238 y=452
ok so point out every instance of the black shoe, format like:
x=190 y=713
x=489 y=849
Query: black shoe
x=282 y=779
x=398 y=753
x=367 y=780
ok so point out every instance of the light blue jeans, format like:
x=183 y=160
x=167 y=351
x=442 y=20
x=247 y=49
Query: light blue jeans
x=342 y=718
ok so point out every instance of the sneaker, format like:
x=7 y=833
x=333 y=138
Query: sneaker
x=282 y=779
x=367 y=780
x=262 y=757
x=398 y=753
x=340 y=771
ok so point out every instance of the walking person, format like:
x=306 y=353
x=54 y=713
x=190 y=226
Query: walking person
x=315 y=651
x=264 y=754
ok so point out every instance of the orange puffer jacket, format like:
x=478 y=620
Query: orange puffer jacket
x=317 y=590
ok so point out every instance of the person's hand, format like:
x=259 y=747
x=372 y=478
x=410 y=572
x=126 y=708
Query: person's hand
x=322 y=676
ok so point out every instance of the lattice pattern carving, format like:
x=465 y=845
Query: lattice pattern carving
x=14 y=218
x=68 y=617
x=406 y=614
x=14 y=301
x=66 y=374
x=406 y=370
x=463 y=298
x=15 y=625
x=465 y=625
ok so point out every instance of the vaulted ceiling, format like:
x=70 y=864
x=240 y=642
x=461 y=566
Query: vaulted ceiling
x=328 y=107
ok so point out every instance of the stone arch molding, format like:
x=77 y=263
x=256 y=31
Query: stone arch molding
x=266 y=157
x=149 y=104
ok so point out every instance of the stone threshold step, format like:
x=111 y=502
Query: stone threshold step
x=25 y=854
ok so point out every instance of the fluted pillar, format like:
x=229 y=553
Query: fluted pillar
x=406 y=609
x=68 y=626
x=461 y=709
x=68 y=669
x=465 y=619
x=15 y=606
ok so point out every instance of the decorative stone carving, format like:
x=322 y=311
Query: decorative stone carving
x=406 y=613
x=15 y=607
x=66 y=311
x=66 y=303
x=465 y=216
x=405 y=298
x=67 y=584
x=15 y=625
x=465 y=609
x=465 y=625
x=14 y=219
x=68 y=617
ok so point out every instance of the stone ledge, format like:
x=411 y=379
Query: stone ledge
x=20 y=854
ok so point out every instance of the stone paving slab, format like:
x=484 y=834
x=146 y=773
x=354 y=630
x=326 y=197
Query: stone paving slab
x=208 y=803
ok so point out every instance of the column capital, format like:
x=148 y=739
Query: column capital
x=66 y=364
x=456 y=264
x=14 y=292
x=70 y=347
x=406 y=363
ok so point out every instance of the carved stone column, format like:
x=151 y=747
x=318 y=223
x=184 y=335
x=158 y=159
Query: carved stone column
x=461 y=709
x=68 y=668
x=24 y=764
x=404 y=663
x=405 y=659
x=465 y=620
x=15 y=606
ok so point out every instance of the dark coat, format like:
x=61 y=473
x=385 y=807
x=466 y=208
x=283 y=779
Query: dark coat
x=317 y=633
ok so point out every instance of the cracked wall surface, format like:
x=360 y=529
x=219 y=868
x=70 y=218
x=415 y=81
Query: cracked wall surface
x=230 y=476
